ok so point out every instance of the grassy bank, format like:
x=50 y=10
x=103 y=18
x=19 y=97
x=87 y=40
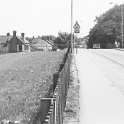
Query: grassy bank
x=24 y=79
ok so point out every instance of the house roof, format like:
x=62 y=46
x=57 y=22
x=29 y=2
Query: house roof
x=4 y=39
x=52 y=43
x=23 y=40
x=38 y=42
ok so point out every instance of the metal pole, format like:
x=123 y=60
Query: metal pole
x=122 y=25
x=74 y=42
x=72 y=26
x=55 y=118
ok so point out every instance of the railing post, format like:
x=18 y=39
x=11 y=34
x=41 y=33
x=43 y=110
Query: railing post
x=51 y=111
x=58 y=101
x=56 y=105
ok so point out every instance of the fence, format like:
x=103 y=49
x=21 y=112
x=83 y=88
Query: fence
x=58 y=100
x=52 y=106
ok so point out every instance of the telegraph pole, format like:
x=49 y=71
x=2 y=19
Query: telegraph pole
x=72 y=26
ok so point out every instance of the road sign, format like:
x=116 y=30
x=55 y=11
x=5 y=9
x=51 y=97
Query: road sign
x=76 y=27
x=76 y=30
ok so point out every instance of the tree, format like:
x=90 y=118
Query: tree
x=63 y=40
x=107 y=28
x=48 y=37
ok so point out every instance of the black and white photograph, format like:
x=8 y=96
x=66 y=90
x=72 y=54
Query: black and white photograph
x=61 y=61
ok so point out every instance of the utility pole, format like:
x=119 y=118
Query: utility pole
x=76 y=31
x=72 y=26
x=122 y=25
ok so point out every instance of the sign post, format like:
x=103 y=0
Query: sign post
x=72 y=26
x=76 y=31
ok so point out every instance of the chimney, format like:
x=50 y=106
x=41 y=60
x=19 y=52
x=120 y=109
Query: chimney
x=8 y=34
x=14 y=33
x=23 y=35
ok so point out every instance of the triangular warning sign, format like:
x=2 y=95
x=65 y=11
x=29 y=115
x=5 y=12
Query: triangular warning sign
x=76 y=26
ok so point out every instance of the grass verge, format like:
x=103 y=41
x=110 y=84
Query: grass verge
x=24 y=79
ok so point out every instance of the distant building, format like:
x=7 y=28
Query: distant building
x=82 y=42
x=117 y=44
x=43 y=45
x=96 y=45
x=17 y=44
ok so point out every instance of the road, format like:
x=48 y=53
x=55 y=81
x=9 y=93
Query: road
x=101 y=75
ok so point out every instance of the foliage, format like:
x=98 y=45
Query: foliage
x=107 y=28
x=48 y=37
x=63 y=40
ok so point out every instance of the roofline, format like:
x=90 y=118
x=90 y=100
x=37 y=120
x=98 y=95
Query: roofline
x=51 y=44
x=19 y=38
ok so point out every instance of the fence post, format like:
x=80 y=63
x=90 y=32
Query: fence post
x=48 y=119
x=56 y=105
x=60 y=88
x=55 y=80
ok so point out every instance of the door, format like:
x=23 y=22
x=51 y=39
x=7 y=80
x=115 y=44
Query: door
x=20 y=48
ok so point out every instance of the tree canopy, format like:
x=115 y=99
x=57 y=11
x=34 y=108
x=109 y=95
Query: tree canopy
x=107 y=28
x=63 y=40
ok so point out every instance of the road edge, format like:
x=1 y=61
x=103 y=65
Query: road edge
x=71 y=114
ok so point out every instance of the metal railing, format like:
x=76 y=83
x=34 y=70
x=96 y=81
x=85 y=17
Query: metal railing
x=58 y=100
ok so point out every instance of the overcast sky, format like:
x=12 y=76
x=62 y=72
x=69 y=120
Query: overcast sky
x=42 y=17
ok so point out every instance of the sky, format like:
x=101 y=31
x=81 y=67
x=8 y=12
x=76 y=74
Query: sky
x=48 y=17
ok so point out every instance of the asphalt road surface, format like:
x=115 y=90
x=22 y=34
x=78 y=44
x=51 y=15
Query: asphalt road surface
x=101 y=75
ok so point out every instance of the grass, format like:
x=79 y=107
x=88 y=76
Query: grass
x=24 y=79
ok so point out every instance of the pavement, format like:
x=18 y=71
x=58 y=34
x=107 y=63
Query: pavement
x=71 y=113
x=101 y=99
